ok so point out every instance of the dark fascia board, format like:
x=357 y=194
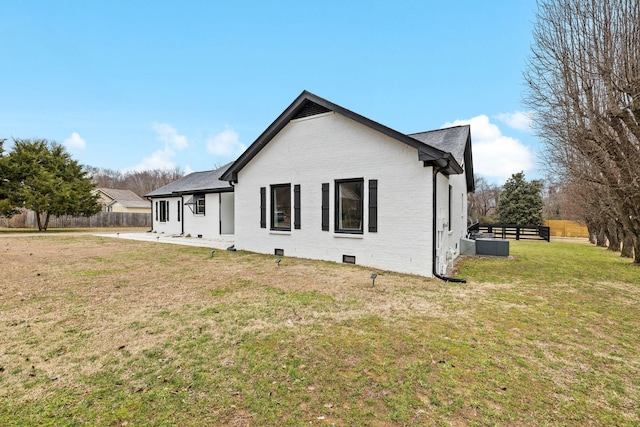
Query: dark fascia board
x=199 y=191
x=203 y=191
x=426 y=153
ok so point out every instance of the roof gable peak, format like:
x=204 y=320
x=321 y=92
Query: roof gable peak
x=308 y=104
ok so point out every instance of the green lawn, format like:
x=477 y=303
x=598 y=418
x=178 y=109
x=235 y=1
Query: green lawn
x=98 y=331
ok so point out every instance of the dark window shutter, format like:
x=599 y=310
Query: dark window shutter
x=296 y=207
x=156 y=211
x=167 y=209
x=373 y=205
x=263 y=207
x=325 y=207
x=449 y=218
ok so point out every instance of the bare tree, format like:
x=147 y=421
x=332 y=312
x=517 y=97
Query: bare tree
x=482 y=204
x=584 y=86
x=140 y=182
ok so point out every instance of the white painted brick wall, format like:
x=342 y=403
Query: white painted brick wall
x=169 y=227
x=208 y=225
x=448 y=241
x=322 y=149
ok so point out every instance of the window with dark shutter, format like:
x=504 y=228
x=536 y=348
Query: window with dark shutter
x=349 y=207
x=296 y=207
x=373 y=205
x=263 y=207
x=325 y=207
x=156 y=211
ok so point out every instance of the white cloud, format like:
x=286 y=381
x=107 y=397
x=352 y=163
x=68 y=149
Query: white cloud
x=518 y=120
x=169 y=135
x=163 y=158
x=75 y=141
x=226 y=144
x=495 y=156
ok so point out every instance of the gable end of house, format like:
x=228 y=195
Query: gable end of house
x=307 y=104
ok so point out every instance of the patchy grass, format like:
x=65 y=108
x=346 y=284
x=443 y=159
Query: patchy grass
x=111 y=332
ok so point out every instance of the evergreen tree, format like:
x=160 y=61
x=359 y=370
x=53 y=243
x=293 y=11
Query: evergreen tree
x=41 y=176
x=520 y=201
x=6 y=209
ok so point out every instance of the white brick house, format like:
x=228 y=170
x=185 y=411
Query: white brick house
x=323 y=182
x=196 y=205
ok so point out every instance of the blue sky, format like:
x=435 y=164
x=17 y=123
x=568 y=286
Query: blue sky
x=140 y=85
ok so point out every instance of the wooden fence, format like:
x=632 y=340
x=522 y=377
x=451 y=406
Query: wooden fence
x=512 y=231
x=564 y=228
x=28 y=219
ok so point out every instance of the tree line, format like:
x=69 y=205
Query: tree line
x=140 y=182
x=583 y=85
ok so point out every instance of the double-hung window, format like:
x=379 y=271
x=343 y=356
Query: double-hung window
x=349 y=206
x=199 y=204
x=281 y=207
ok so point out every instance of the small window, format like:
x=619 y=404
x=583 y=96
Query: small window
x=281 y=207
x=164 y=211
x=278 y=252
x=199 y=202
x=349 y=206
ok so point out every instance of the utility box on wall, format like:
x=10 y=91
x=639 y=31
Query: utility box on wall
x=494 y=247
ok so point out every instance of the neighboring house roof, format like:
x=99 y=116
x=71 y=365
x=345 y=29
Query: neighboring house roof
x=196 y=182
x=307 y=104
x=455 y=140
x=126 y=198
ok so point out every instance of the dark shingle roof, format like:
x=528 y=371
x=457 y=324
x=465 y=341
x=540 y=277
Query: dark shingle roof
x=455 y=140
x=126 y=198
x=452 y=140
x=196 y=182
